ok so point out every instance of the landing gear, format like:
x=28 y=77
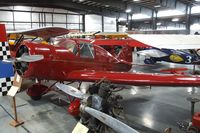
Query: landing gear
x=36 y=91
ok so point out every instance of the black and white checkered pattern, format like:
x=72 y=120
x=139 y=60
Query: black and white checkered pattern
x=5 y=85
x=4 y=51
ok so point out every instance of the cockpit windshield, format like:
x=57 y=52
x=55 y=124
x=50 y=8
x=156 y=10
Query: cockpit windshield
x=86 y=50
x=69 y=45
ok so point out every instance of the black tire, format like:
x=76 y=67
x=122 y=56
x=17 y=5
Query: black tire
x=36 y=98
x=193 y=129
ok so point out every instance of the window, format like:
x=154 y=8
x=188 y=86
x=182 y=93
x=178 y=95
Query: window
x=86 y=50
x=69 y=45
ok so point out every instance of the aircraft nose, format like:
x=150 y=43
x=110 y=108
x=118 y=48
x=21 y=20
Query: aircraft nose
x=21 y=66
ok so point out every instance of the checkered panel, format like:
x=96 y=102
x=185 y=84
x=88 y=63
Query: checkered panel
x=4 y=51
x=5 y=85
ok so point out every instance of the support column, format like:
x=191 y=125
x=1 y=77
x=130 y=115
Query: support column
x=188 y=19
x=154 y=20
x=117 y=25
x=102 y=22
x=83 y=22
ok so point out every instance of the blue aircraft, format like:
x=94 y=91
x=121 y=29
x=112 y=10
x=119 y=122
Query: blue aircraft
x=153 y=55
x=182 y=49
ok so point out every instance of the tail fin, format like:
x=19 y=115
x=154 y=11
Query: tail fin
x=125 y=54
x=6 y=70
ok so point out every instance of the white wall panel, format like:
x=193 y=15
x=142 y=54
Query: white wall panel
x=48 y=17
x=93 y=23
x=72 y=26
x=9 y=26
x=35 y=25
x=22 y=16
x=35 y=17
x=6 y=16
x=109 y=24
x=22 y=26
x=73 y=19
x=59 y=18
x=60 y=25
x=26 y=18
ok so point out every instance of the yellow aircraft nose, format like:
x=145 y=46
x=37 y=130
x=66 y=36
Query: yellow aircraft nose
x=176 y=58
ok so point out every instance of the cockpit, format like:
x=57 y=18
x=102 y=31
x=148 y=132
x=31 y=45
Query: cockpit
x=84 y=49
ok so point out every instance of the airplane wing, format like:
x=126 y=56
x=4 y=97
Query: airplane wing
x=169 y=41
x=112 y=42
x=45 y=33
x=152 y=53
x=138 y=79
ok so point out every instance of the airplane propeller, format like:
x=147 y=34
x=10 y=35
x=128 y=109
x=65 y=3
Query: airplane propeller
x=115 y=124
x=22 y=60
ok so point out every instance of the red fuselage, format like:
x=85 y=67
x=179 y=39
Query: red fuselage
x=70 y=55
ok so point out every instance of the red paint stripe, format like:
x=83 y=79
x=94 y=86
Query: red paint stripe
x=3 y=37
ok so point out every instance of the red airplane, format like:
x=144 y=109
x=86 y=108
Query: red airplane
x=79 y=60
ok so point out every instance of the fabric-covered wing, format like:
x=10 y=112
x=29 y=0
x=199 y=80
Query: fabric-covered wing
x=138 y=79
x=152 y=53
x=169 y=41
x=45 y=33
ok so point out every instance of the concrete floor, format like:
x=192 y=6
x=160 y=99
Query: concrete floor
x=148 y=111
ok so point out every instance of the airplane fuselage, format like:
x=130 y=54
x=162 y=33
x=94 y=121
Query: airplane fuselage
x=67 y=56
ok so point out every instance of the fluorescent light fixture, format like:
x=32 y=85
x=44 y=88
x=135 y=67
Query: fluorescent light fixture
x=107 y=5
x=197 y=0
x=175 y=19
x=165 y=13
x=136 y=0
x=159 y=23
x=138 y=16
x=128 y=10
x=157 y=6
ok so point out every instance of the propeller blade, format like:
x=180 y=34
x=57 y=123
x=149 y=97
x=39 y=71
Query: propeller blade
x=30 y=58
x=115 y=124
x=10 y=60
x=70 y=90
x=24 y=58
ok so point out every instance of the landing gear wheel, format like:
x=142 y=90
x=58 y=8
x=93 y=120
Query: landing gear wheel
x=192 y=129
x=36 y=91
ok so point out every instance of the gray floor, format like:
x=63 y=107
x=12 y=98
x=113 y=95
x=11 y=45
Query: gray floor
x=148 y=111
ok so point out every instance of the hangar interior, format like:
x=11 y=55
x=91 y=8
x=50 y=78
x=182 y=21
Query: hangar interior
x=147 y=109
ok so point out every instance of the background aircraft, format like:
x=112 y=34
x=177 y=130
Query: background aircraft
x=182 y=49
